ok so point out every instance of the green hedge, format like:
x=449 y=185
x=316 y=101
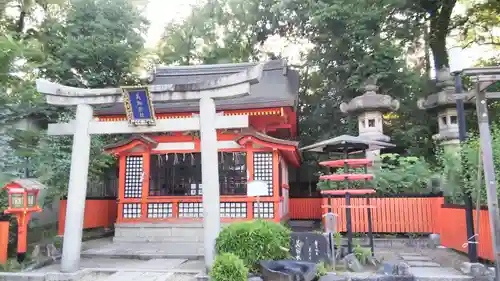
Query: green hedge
x=228 y=267
x=254 y=241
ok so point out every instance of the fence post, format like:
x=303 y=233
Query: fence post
x=436 y=216
x=4 y=240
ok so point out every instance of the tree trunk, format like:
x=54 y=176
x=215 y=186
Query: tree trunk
x=437 y=43
x=427 y=55
x=439 y=27
x=21 y=21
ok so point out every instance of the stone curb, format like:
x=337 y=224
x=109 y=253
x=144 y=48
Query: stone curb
x=43 y=276
x=75 y=276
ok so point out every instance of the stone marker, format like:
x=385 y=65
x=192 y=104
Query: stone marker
x=310 y=246
x=352 y=263
x=373 y=260
x=52 y=251
x=475 y=269
x=403 y=269
x=331 y=276
x=36 y=253
x=434 y=240
x=395 y=268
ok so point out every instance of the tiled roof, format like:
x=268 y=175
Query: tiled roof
x=278 y=86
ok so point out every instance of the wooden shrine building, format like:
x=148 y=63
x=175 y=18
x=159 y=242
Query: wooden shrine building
x=160 y=174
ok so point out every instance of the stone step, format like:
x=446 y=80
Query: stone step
x=141 y=250
x=438 y=274
x=302 y=223
x=159 y=232
x=415 y=258
x=422 y=264
x=151 y=238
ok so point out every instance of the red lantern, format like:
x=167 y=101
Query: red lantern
x=23 y=201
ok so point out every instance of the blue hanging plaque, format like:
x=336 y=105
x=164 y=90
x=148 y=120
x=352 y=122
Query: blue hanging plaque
x=138 y=106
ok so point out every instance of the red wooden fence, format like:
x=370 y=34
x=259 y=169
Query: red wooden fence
x=402 y=215
x=98 y=213
x=393 y=215
x=305 y=208
x=389 y=215
x=452 y=228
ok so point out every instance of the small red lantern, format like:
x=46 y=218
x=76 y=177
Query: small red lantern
x=23 y=201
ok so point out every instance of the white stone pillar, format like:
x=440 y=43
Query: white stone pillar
x=210 y=178
x=77 y=190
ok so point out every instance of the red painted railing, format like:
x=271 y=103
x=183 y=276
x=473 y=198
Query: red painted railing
x=98 y=213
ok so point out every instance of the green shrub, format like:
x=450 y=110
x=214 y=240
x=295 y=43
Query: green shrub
x=228 y=267
x=254 y=241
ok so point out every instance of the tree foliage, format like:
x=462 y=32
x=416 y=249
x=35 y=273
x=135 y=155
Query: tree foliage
x=88 y=43
x=466 y=176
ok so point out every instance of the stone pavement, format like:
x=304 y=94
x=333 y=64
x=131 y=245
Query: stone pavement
x=119 y=264
x=424 y=268
x=118 y=269
x=103 y=260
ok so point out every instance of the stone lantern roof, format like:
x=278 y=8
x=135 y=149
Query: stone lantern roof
x=445 y=97
x=370 y=101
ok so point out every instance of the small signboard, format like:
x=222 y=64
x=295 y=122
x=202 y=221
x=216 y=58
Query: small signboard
x=138 y=106
x=257 y=188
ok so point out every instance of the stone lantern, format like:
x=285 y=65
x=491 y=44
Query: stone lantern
x=370 y=108
x=444 y=104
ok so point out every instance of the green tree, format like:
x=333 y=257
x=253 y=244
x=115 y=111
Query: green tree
x=471 y=173
x=96 y=43
x=220 y=31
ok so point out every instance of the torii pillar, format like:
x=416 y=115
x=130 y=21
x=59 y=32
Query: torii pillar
x=83 y=126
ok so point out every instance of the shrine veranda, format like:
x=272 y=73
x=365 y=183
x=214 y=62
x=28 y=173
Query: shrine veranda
x=163 y=178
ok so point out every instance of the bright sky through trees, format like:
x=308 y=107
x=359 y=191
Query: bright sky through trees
x=160 y=12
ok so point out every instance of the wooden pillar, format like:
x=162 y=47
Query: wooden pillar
x=250 y=173
x=121 y=187
x=145 y=184
x=276 y=187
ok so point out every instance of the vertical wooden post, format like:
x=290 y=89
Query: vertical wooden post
x=250 y=173
x=4 y=241
x=121 y=187
x=146 y=157
x=276 y=187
